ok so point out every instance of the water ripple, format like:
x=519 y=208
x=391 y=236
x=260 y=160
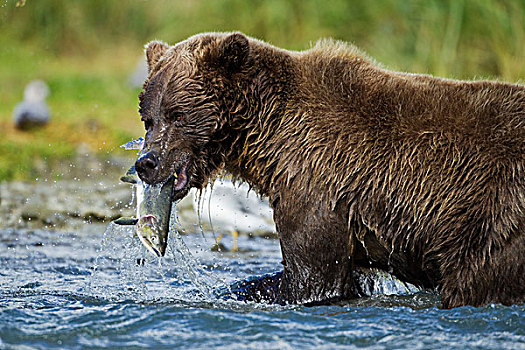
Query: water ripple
x=69 y=290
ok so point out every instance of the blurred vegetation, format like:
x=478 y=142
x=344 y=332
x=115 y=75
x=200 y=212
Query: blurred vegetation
x=86 y=50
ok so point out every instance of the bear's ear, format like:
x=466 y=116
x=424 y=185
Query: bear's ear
x=234 y=51
x=154 y=51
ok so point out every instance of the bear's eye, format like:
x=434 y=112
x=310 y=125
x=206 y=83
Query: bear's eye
x=177 y=117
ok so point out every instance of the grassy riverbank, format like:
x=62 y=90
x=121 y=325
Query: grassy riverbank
x=93 y=107
x=86 y=50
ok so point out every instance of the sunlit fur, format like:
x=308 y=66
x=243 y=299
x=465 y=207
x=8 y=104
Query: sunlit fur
x=420 y=176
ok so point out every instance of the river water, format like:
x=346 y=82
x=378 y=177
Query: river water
x=98 y=288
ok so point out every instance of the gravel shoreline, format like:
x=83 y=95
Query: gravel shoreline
x=82 y=190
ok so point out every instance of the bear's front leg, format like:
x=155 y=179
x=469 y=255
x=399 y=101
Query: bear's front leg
x=317 y=251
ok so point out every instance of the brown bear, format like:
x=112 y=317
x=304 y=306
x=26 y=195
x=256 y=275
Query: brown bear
x=420 y=176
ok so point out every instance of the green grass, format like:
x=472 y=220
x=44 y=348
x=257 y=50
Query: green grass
x=85 y=51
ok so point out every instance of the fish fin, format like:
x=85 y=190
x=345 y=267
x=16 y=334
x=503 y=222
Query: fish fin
x=126 y=221
x=131 y=176
x=134 y=144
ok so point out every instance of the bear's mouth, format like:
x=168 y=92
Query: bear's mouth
x=182 y=179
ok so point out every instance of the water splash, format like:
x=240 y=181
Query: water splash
x=119 y=272
x=189 y=265
x=125 y=270
x=377 y=282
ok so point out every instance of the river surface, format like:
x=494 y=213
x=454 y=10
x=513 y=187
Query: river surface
x=99 y=288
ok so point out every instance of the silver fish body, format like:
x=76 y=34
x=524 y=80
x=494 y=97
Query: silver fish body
x=153 y=212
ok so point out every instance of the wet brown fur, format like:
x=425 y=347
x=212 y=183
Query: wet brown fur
x=420 y=176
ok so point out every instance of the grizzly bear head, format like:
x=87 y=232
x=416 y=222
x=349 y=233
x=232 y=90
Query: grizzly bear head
x=192 y=91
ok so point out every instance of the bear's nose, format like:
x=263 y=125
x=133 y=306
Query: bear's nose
x=147 y=166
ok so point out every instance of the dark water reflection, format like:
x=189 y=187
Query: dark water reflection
x=86 y=290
